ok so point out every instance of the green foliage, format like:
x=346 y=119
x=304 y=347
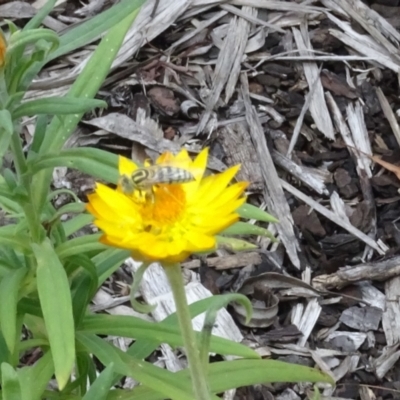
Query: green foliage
x=48 y=278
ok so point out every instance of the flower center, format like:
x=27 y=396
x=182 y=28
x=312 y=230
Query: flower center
x=162 y=207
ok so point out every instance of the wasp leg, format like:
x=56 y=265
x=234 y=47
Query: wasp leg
x=126 y=184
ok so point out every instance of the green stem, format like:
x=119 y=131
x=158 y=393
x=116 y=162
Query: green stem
x=18 y=155
x=31 y=213
x=197 y=372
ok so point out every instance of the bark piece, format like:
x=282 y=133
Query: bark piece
x=362 y=319
x=273 y=193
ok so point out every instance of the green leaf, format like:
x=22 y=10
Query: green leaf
x=9 y=236
x=19 y=40
x=131 y=327
x=4 y=353
x=9 y=289
x=86 y=369
x=250 y=372
x=244 y=228
x=38 y=136
x=57 y=106
x=75 y=223
x=36 y=20
x=226 y=375
x=98 y=163
x=85 y=86
x=34 y=379
x=234 y=244
x=32 y=343
x=10 y=387
x=251 y=212
x=55 y=300
x=211 y=315
x=9 y=205
x=6 y=122
x=83 y=287
x=101 y=386
x=69 y=208
x=6 y=131
x=142 y=348
x=80 y=245
x=316 y=395
x=108 y=261
x=92 y=29
x=160 y=379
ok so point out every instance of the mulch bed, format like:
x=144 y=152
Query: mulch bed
x=305 y=95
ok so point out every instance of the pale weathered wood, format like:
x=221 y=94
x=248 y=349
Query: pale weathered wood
x=376 y=271
x=273 y=193
x=318 y=108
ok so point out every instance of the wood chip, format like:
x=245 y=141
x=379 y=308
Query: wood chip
x=274 y=195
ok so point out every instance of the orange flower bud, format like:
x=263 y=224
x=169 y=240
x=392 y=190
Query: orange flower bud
x=3 y=48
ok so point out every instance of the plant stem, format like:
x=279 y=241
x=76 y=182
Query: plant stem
x=31 y=213
x=18 y=153
x=197 y=372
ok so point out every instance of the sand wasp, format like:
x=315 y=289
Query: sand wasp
x=143 y=179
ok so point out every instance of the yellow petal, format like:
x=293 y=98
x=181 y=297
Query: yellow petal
x=199 y=164
x=228 y=195
x=199 y=241
x=223 y=223
x=126 y=166
x=119 y=203
x=212 y=186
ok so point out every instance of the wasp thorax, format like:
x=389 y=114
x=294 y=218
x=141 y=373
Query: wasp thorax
x=145 y=178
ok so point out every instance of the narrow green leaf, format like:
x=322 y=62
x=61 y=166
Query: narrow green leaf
x=31 y=344
x=38 y=136
x=98 y=163
x=211 y=315
x=234 y=244
x=9 y=236
x=83 y=286
x=250 y=372
x=8 y=199
x=6 y=122
x=4 y=353
x=9 y=256
x=244 y=228
x=55 y=300
x=6 y=131
x=70 y=208
x=316 y=395
x=9 y=289
x=252 y=212
x=226 y=375
x=82 y=370
x=131 y=327
x=57 y=106
x=108 y=261
x=80 y=245
x=34 y=379
x=85 y=86
x=142 y=348
x=36 y=20
x=75 y=223
x=10 y=387
x=160 y=379
x=19 y=40
x=90 y=30
x=101 y=386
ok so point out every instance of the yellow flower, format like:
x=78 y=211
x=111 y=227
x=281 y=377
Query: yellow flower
x=3 y=48
x=177 y=219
